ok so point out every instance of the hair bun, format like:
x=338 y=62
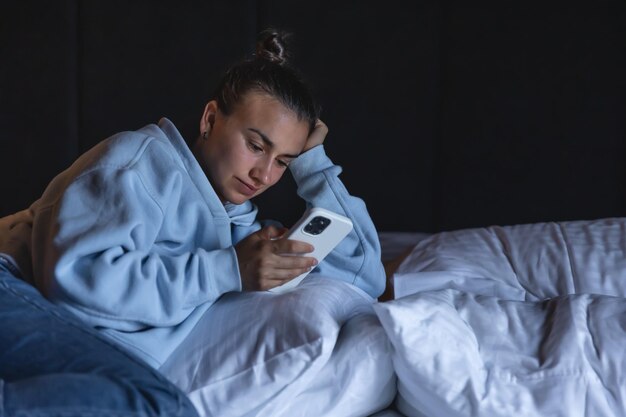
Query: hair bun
x=271 y=46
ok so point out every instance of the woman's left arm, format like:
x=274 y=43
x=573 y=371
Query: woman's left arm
x=357 y=259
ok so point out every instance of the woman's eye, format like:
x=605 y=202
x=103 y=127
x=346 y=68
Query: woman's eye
x=282 y=164
x=253 y=146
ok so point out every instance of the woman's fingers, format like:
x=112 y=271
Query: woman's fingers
x=291 y=247
x=295 y=262
x=276 y=276
x=285 y=262
x=317 y=136
x=266 y=261
x=272 y=232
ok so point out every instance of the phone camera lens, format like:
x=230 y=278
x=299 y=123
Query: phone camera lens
x=317 y=225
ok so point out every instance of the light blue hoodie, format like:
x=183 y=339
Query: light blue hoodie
x=133 y=239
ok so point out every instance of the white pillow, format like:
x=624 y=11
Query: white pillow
x=254 y=352
x=521 y=262
x=359 y=378
x=435 y=354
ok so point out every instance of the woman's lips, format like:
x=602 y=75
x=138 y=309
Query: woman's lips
x=246 y=189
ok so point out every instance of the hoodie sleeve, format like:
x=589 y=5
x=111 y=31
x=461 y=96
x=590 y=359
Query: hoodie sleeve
x=102 y=257
x=357 y=259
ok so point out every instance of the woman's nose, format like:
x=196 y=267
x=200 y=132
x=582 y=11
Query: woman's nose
x=262 y=173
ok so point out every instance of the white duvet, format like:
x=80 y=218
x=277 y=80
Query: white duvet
x=525 y=320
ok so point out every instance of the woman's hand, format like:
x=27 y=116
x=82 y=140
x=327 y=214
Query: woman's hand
x=267 y=261
x=317 y=136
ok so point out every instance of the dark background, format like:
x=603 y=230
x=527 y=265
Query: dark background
x=443 y=114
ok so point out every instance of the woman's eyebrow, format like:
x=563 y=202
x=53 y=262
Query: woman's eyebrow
x=268 y=141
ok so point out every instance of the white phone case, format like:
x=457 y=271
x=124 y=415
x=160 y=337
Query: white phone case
x=307 y=229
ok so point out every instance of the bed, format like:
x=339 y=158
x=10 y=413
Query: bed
x=525 y=320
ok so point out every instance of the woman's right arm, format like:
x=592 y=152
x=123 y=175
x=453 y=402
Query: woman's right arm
x=101 y=256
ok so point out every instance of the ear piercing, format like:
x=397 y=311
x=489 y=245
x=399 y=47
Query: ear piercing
x=205 y=135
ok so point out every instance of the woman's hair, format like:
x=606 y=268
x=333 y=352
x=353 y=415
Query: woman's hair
x=268 y=71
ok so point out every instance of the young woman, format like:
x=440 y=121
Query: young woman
x=143 y=233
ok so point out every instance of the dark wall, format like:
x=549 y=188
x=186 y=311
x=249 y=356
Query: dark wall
x=444 y=114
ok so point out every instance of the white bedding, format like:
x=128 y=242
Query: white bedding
x=318 y=350
x=522 y=321
x=525 y=320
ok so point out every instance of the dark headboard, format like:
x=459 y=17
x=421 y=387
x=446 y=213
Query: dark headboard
x=443 y=114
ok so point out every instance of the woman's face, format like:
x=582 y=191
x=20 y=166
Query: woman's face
x=248 y=151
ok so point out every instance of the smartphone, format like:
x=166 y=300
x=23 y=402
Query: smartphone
x=321 y=228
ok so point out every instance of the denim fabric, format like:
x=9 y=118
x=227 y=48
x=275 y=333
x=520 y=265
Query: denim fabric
x=53 y=365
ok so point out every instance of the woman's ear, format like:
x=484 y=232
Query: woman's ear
x=208 y=118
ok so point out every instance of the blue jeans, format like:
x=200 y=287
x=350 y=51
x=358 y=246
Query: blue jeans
x=53 y=365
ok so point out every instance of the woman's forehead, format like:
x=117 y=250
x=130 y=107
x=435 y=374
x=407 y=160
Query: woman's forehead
x=268 y=117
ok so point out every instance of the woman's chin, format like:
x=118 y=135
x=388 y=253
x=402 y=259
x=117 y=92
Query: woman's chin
x=237 y=198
